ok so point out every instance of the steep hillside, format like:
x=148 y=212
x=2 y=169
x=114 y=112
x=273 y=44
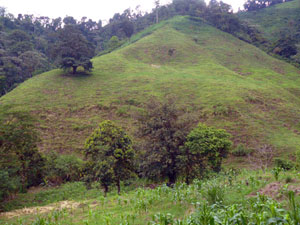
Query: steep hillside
x=224 y=81
x=275 y=20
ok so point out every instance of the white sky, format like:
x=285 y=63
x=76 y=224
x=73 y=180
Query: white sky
x=94 y=9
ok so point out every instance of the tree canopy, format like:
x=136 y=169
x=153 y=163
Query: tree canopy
x=20 y=162
x=164 y=127
x=110 y=153
x=73 y=49
x=204 y=147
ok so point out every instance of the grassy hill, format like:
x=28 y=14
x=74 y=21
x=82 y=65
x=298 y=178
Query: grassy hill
x=273 y=20
x=224 y=81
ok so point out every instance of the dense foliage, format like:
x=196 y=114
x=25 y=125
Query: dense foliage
x=204 y=147
x=21 y=164
x=110 y=154
x=164 y=127
x=73 y=49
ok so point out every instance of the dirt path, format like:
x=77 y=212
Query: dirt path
x=40 y=209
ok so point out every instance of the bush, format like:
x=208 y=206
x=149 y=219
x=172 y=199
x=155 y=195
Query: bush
x=21 y=164
x=62 y=168
x=8 y=185
x=284 y=164
x=240 y=151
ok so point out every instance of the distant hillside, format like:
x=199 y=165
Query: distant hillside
x=276 y=20
x=223 y=80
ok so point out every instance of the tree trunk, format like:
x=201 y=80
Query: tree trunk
x=74 y=69
x=172 y=179
x=105 y=190
x=187 y=179
x=118 y=186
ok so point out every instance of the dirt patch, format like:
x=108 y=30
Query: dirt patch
x=279 y=70
x=242 y=73
x=155 y=66
x=50 y=92
x=41 y=209
x=274 y=190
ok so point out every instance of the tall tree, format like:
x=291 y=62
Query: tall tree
x=164 y=127
x=73 y=49
x=110 y=151
x=19 y=156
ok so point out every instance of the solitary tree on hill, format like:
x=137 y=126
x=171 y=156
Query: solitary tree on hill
x=74 y=50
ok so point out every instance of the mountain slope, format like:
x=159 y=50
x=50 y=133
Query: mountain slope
x=275 y=20
x=226 y=82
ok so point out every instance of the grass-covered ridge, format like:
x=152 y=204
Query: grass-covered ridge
x=226 y=82
x=274 y=20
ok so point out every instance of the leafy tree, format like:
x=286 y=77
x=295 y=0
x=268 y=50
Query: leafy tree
x=114 y=43
x=73 y=49
x=32 y=61
x=19 y=156
x=109 y=149
x=69 y=20
x=164 y=127
x=204 y=145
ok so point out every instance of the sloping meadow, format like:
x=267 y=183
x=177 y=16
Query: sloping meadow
x=222 y=80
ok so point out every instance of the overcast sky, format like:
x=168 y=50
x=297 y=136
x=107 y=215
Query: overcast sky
x=94 y=9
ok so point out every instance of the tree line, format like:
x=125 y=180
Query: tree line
x=172 y=145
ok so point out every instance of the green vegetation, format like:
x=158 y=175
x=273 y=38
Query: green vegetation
x=205 y=147
x=276 y=20
x=73 y=50
x=217 y=77
x=216 y=199
x=279 y=24
x=236 y=93
x=21 y=164
x=111 y=155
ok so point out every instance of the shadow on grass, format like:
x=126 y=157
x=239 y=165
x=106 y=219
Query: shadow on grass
x=78 y=74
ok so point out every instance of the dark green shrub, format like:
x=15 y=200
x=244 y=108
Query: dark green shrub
x=63 y=168
x=8 y=185
x=240 y=151
x=20 y=161
x=284 y=164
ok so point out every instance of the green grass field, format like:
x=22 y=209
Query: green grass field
x=225 y=82
x=232 y=194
